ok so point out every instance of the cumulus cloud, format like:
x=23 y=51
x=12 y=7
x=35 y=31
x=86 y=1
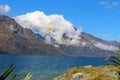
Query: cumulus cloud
x=103 y=3
x=4 y=9
x=62 y=31
x=104 y=46
x=108 y=4
x=103 y=36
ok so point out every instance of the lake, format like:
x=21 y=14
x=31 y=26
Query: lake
x=45 y=67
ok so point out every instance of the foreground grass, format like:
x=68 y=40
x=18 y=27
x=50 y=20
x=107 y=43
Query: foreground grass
x=90 y=73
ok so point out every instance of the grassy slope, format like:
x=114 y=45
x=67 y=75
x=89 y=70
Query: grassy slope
x=91 y=73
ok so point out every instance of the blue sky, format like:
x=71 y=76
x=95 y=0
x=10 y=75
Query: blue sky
x=97 y=17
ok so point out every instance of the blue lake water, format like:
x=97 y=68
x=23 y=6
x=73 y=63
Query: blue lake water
x=45 y=67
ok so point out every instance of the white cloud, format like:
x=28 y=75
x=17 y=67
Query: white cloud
x=104 y=46
x=109 y=5
x=4 y=9
x=104 y=3
x=12 y=27
x=62 y=31
x=103 y=36
x=115 y=3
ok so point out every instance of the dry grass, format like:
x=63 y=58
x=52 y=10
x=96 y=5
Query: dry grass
x=92 y=73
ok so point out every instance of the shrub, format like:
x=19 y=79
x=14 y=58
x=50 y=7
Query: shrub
x=9 y=70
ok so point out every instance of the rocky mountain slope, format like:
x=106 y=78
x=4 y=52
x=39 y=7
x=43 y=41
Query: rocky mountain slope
x=91 y=46
x=14 y=39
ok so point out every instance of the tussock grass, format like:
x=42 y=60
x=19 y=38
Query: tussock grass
x=91 y=73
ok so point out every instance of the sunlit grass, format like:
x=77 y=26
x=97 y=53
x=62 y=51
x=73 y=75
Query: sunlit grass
x=91 y=73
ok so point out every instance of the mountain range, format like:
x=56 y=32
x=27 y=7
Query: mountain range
x=14 y=39
x=91 y=46
x=17 y=40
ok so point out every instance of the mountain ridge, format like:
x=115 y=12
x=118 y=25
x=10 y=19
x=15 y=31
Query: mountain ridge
x=89 y=49
x=14 y=40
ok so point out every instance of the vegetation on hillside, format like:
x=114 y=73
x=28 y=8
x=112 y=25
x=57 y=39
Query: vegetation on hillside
x=107 y=72
x=115 y=60
x=90 y=73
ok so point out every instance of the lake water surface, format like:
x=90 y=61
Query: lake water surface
x=45 y=67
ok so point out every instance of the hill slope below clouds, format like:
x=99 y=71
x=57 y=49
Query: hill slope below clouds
x=91 y=46
x=14 y=39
